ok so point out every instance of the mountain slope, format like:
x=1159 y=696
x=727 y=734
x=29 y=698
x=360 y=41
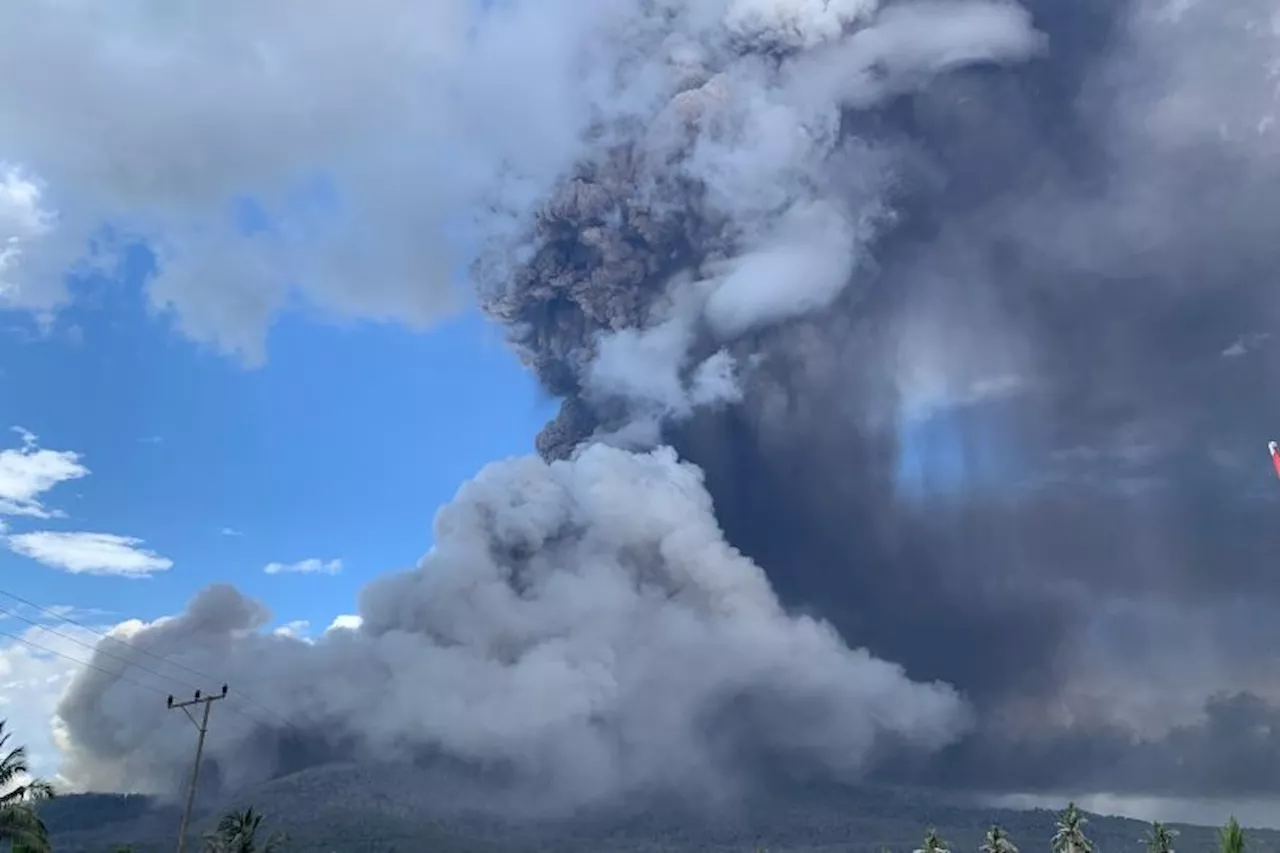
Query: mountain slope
x=386 y=809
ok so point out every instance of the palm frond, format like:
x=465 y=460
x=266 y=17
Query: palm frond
x=34 y=791
x=1231 y=837
x=13 y=765
x=22 y=828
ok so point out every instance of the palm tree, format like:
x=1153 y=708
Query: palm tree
x=237 y=833
x=933 y=843
x=1070 y=837
x=997 y=841
x=19 y=823
x=1231 y=837
x=1160 y=838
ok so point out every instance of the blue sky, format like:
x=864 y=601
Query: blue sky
x=341 y=447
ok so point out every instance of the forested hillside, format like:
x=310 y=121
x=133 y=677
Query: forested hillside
x=380 y=810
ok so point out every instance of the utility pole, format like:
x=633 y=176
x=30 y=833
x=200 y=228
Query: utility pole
x=202 y=727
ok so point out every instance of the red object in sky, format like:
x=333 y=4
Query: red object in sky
x=1275 y=456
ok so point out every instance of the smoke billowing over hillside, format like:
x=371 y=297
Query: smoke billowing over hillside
x=915 y=361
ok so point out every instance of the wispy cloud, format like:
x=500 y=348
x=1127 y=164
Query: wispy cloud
x=89 y=553
x=54 y=613
x=297 y=629
x=30 y=471
x=1246 y=344
x=992 y=388
x=310 y=566
x=230 y=531
x=928 y=394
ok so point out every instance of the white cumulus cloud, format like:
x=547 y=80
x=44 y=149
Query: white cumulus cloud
x=89 y=553
x=309 y=566
x=36 y=666
x=159 y=119
x=345 y=622
x=29 y=471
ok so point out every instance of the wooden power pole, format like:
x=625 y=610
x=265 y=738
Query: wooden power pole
x=202 y=726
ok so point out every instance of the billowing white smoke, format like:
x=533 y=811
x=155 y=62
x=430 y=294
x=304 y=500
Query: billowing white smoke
x=583 y=621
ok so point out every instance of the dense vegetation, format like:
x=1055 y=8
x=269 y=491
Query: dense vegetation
x=870 y=821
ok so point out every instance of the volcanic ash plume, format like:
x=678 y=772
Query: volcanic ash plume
x=713 y=275
x=582 y=620
x=583 y=623
x=961 y=318
x=741 y=202
x=943 y=313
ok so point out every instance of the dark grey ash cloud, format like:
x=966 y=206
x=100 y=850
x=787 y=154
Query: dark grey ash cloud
x=937 y=297
x=1078 y=239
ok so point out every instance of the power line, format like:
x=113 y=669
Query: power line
x=202 y=726
x=56 y=615
x=203 y=675
x=96 y=650
x=100 y=651
x=275 y=715
x=118 y=675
